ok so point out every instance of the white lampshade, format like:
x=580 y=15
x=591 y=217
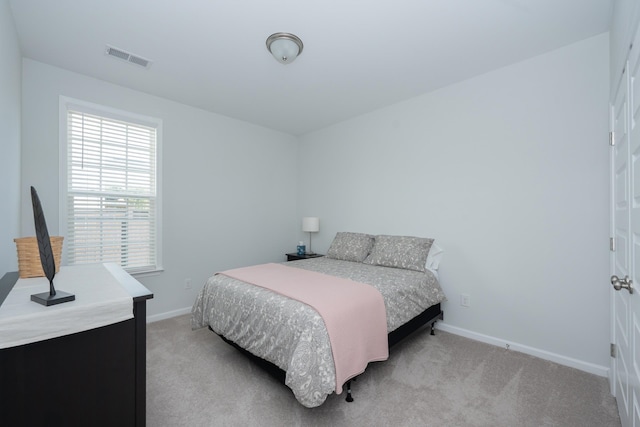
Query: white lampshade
x=284 y=47
x=311 y=224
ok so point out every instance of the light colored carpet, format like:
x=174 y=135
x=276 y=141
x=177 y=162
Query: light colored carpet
x=196 y=379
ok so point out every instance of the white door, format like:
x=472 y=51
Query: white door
x=626 y=225
x=621 y=299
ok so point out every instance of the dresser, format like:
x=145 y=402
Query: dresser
x=67 y=366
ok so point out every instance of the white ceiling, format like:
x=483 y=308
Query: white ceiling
x=358 y=55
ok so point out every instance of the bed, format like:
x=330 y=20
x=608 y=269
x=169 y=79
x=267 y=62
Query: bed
x=293 y=337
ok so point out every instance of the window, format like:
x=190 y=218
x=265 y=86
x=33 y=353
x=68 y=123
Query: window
x=111 y=200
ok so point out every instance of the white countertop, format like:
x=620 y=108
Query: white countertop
x=100 y=300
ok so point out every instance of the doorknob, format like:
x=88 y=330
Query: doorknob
x=625 y=283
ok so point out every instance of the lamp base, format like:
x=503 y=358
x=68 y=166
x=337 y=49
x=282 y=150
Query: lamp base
x=310 y=253
x=47 y=299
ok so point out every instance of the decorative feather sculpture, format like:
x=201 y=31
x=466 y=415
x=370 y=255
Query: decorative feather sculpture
x=46 y=257
x=44 y=243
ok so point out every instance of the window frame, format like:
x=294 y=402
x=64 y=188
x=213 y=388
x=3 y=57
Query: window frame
x=66 y=104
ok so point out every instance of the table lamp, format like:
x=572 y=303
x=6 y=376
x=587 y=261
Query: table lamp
x=310 y=225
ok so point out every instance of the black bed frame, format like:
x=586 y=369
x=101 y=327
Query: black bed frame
x=428 y=317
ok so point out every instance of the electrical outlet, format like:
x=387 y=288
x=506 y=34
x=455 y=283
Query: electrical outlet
x=187 y=284
x=465 y=300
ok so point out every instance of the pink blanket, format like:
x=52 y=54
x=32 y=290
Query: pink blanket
x=353 y=313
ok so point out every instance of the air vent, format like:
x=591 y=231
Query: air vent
x=126 y=56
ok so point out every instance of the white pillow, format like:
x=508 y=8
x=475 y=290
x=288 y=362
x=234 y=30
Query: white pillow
x=434 y=257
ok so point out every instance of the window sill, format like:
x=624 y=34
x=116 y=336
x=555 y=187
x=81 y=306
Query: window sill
x=146 y=273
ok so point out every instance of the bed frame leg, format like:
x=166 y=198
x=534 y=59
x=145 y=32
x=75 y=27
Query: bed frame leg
x=349 y=397
x=433 y=328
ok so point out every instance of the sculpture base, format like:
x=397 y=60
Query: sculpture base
x=47 y=299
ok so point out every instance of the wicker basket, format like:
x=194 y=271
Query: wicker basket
x=29 y=264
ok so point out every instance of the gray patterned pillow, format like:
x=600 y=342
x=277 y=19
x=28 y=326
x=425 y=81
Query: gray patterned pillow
x=350 y=246
x=405 y=252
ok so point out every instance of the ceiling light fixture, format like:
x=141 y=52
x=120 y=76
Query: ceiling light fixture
x=285 y=47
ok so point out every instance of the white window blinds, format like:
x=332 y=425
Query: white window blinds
x=111 y=192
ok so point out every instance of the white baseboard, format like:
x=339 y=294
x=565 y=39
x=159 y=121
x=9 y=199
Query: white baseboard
x=602 y=371
x=168 y=314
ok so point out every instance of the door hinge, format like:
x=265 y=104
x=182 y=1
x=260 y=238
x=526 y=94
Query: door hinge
x=612 y=139
x=614 y=350
x=612 y=244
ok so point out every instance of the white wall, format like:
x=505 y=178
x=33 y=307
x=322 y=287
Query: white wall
x=9 y=139
x=509 y=172
x=228 y=196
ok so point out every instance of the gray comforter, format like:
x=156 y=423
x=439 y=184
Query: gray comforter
x=291 y=334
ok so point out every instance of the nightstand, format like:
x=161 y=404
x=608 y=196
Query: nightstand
x=294 y=256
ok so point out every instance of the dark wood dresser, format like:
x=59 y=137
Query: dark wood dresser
x=96 y=377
